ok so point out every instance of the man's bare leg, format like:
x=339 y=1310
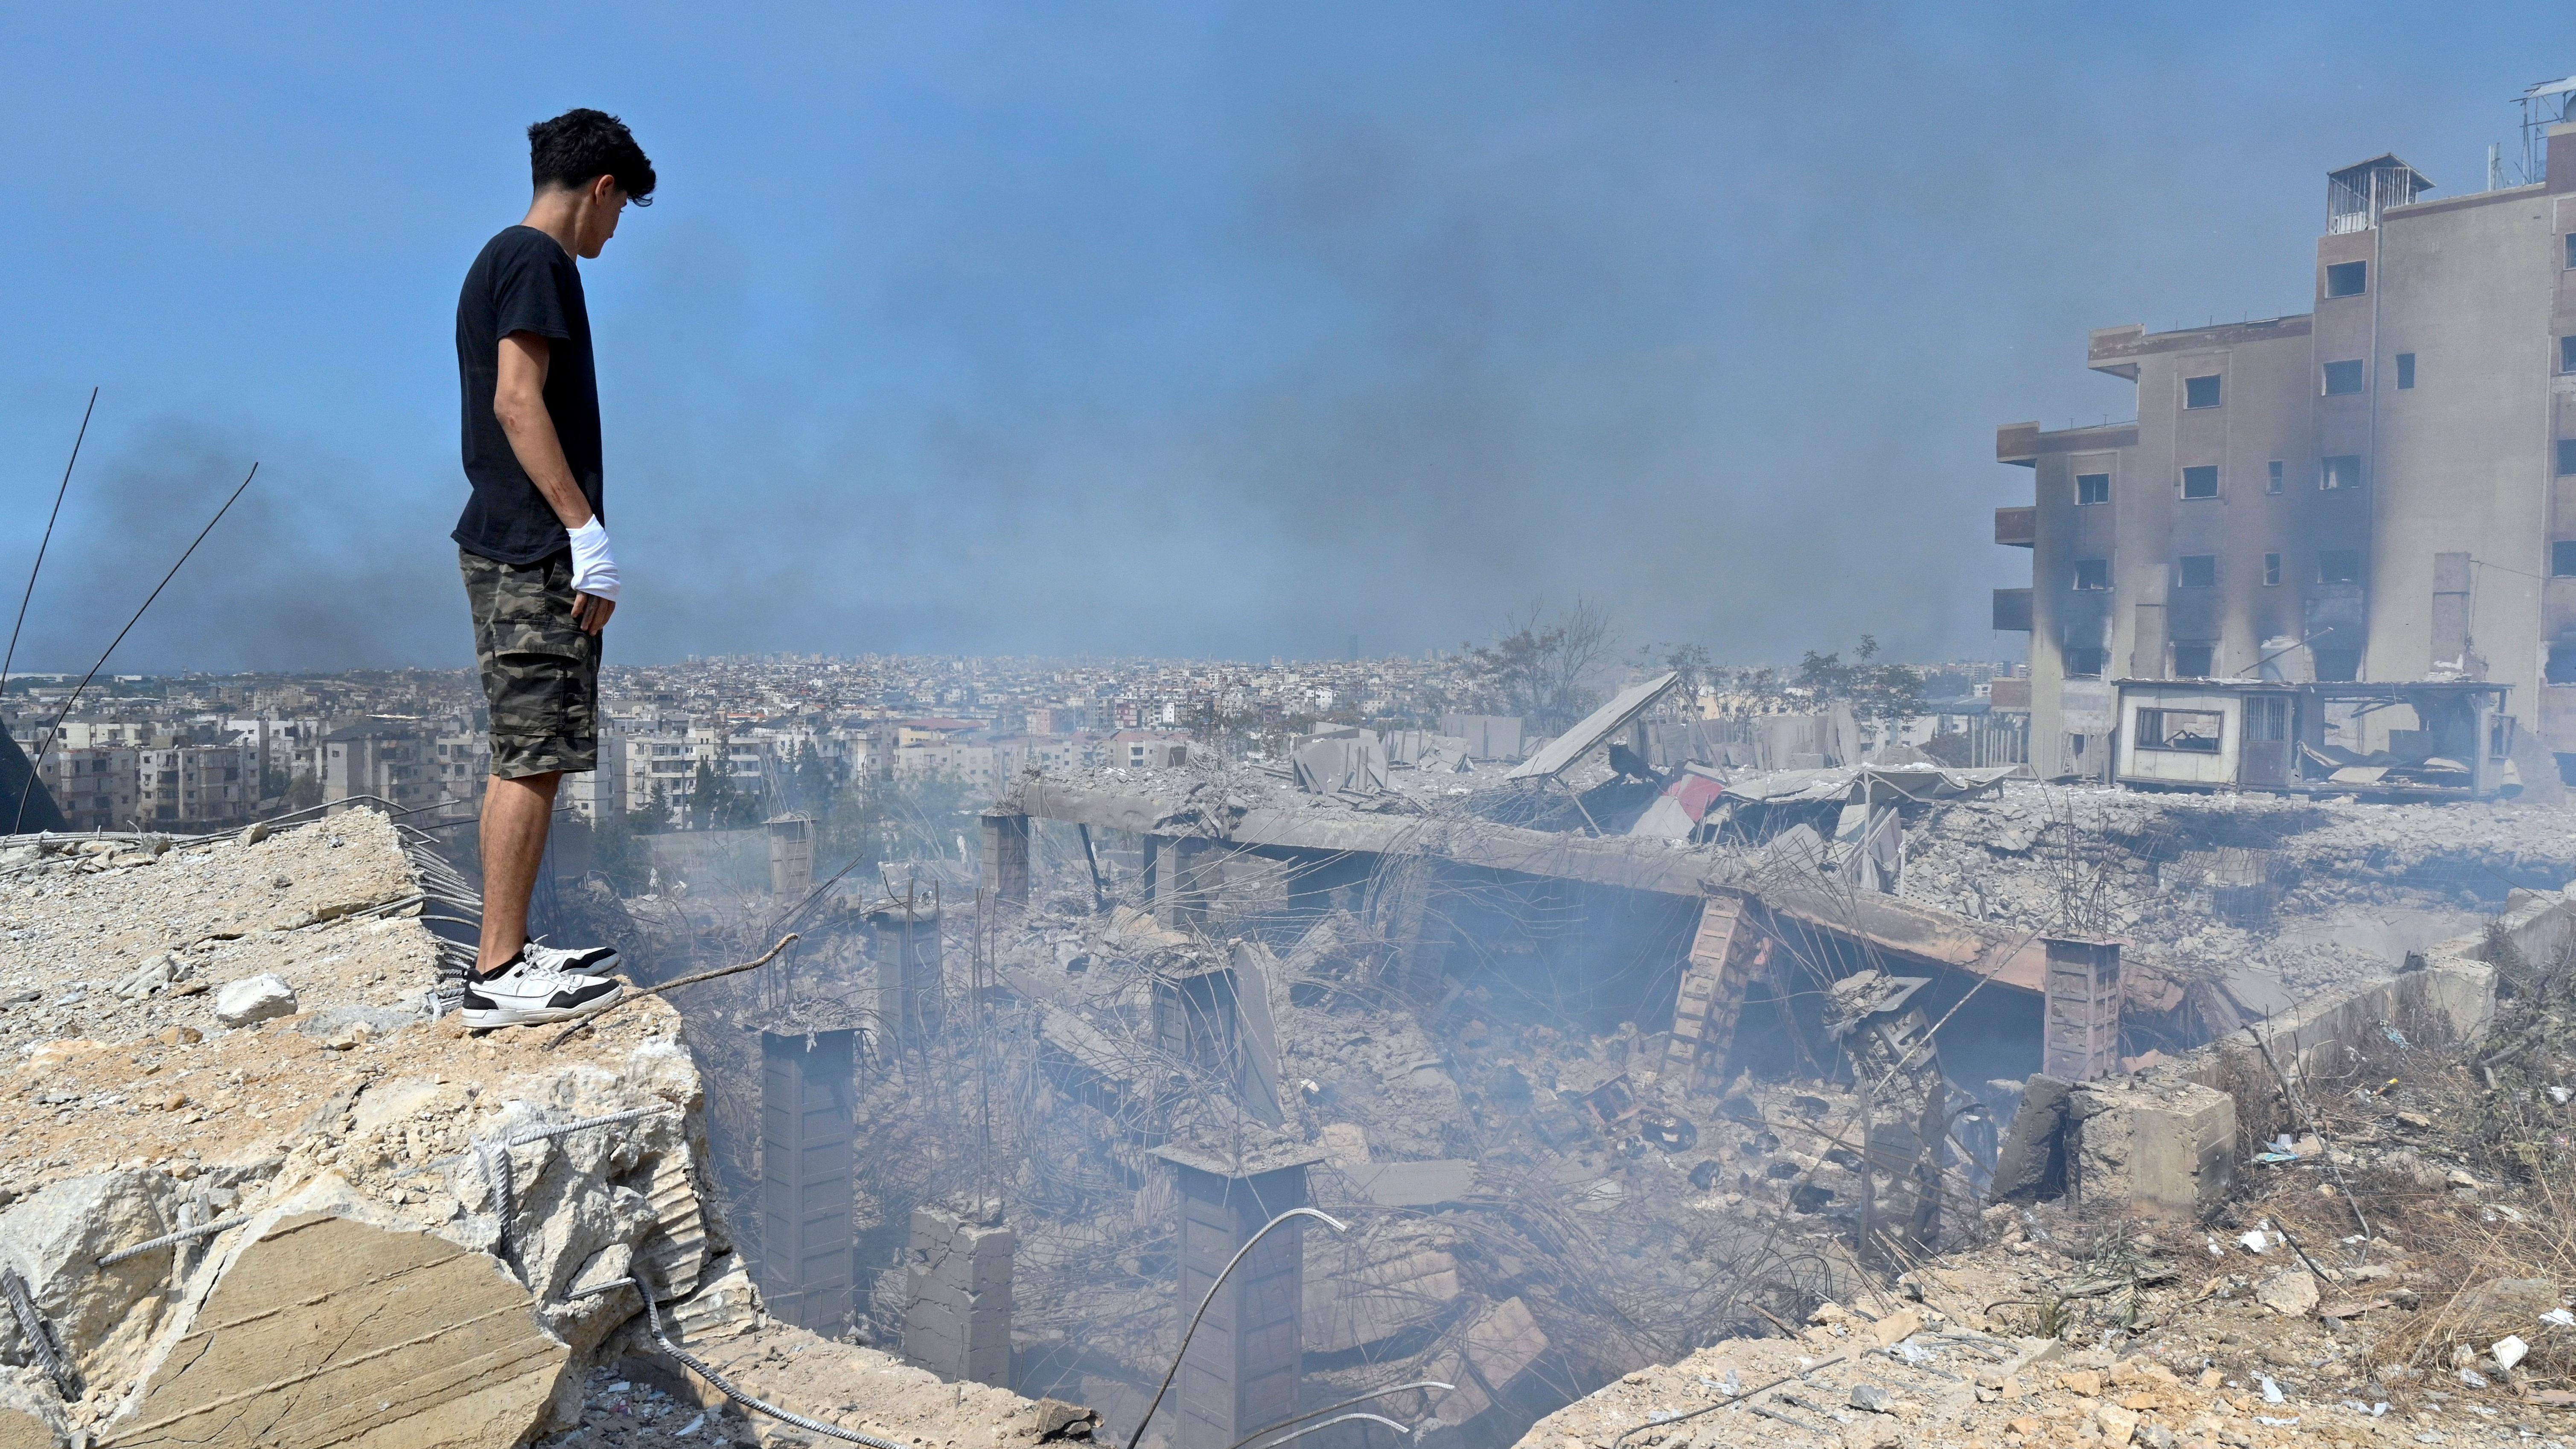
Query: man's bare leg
x=515 y=816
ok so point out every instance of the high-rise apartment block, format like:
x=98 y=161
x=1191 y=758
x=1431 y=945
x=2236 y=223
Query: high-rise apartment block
x=2382 y=488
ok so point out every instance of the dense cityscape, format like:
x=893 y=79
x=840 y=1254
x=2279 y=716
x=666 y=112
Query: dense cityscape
x=775 y=732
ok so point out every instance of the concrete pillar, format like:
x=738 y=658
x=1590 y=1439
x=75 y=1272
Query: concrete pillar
x=957 y=1309
x=1241 y=1373
x=1185 y=873
x=808 y=1128
x=904 y=944
x=791 y=857
x=2080 y=1027
x=1006 y=857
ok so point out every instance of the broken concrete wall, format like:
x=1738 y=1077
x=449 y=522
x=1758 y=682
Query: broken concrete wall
x=2165 y=1141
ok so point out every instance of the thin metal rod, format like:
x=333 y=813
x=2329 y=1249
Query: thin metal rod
x=54 y=729
x=1336 y=1224
x=1344 y=1404
x=39 y=567
x=1344 y=1419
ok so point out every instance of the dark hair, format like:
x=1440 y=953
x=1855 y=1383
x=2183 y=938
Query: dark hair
x=582 y=143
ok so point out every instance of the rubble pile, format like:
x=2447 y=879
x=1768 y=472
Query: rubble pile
x=255 y=1189
x=2277 y=899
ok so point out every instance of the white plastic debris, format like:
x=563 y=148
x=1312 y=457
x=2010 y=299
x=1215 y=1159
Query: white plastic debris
x=2510 y=1350
x=691 y=1427
x=2256 y=1241
x=2560 y=1094
x=2216 y=1251
x=2271 y=1391
x=2473 y=1378
x=2559 y=1318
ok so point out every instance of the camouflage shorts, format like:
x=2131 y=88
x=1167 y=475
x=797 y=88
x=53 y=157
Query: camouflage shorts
x=540 y=669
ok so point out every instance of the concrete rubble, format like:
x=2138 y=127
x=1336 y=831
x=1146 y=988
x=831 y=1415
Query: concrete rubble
x=357 y=1222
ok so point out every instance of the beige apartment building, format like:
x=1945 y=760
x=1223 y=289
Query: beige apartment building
x=2382 y=488
x=194 y=785
x=95 y=788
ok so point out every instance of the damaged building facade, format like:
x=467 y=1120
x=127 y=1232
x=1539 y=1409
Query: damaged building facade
x=2382 y=488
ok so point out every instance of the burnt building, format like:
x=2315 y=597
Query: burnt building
x=2382 y=488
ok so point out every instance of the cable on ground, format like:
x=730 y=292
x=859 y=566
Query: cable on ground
x=653 y=1320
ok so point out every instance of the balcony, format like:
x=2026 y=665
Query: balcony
x=2012 y=610
x=2017 y=527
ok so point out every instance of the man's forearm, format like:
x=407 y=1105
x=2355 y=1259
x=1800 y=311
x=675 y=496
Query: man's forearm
x=541 y=455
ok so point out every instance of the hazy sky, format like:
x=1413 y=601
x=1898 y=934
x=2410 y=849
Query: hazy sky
x=1201 y=329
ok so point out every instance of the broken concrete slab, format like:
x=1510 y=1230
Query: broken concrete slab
x=2032 y=1163
x=329 y=1331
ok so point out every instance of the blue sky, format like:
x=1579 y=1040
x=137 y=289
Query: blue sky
x=1232 y=330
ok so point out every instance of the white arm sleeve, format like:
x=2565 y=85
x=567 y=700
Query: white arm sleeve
x=593 y=571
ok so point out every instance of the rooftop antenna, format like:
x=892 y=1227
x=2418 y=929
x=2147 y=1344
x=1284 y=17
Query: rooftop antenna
x=2543 y=106
x=2495 y=166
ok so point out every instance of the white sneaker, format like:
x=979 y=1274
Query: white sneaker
x=593 y=961
x=522 y=994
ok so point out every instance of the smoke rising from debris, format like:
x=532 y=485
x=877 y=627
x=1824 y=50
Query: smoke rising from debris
x=298 y=575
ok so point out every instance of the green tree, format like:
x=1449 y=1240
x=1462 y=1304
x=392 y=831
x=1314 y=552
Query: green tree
x=1543 y=666
x=1874 y=691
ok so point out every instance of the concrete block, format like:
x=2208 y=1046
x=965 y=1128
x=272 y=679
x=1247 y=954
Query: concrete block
x=2167 y=1149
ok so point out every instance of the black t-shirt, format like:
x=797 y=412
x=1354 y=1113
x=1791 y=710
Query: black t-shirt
x=523 y=281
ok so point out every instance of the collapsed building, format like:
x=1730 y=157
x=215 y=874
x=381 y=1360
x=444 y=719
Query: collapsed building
x=1593 y=1058
x=1539 y=1072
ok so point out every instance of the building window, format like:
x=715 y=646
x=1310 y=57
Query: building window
x=2338 y=565
x=2343 y=379
x=2272 y=476
x=2085 y=663
x=2405 y=371
x=2566 y=457
x=2195 y=661
x=2197 y=571
x=2092 y=488
x=2092 y=573
x=2562 y=664
x=2343 y=470
x=2571 y=250
x=2192 y=730
x=2337 y=666
x=2562 y=559
x=2567 y=354
x=2200 y=482
x=2271 y=570
x=2347 y=279
x=2200 y=392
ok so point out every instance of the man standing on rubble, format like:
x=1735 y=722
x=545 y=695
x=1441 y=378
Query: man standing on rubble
x=534 y=544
